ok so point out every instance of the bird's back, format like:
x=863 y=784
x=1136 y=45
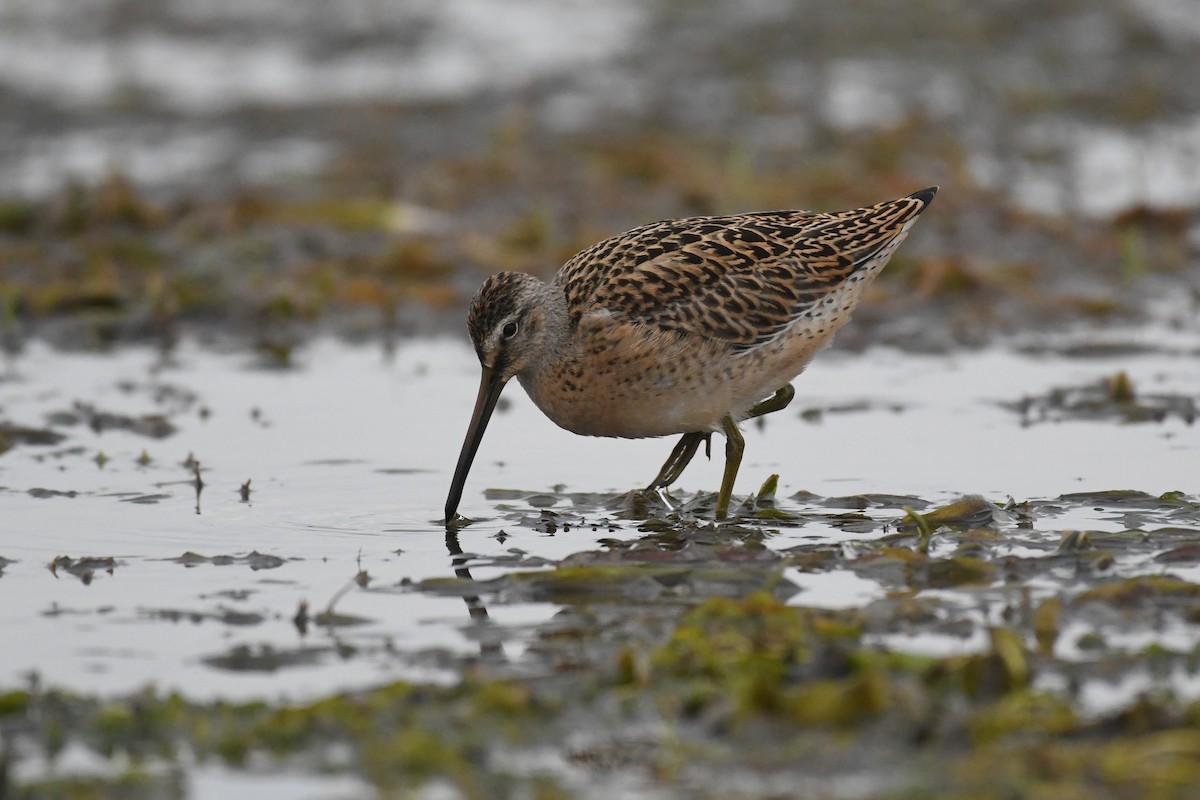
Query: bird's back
x=740 y=279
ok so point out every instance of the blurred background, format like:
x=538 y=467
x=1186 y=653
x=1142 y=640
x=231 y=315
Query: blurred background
x=363 y=163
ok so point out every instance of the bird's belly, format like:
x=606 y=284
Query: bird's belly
x=672 y=387
x=631 y=407
x=623 y=380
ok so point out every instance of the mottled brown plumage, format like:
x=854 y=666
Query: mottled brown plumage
x=682 y=326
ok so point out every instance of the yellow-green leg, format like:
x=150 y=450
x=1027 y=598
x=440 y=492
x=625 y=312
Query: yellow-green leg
x=685 y=448
x=775 y=402
x=680 y=457
x=735 y=445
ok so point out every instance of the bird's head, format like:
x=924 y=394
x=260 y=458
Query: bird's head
x=512 y=328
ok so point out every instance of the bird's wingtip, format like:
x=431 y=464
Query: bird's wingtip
x=925 y=195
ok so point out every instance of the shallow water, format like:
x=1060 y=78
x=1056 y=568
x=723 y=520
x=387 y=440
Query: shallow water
x=349 y=454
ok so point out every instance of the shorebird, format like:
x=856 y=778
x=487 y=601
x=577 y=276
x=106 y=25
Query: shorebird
x=686 y=326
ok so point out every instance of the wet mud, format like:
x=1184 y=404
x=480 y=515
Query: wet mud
x=615 y=639
x=996 y=650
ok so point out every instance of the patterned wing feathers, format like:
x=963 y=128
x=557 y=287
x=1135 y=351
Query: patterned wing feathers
x=741 y=279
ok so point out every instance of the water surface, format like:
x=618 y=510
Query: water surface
x=349 y=451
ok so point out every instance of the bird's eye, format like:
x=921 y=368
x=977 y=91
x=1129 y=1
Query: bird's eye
x=510 y=330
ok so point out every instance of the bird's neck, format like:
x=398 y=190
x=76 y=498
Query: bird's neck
x=554 y=324
x=554 y=344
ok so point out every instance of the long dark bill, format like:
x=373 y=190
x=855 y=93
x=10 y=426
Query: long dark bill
x=490 y=387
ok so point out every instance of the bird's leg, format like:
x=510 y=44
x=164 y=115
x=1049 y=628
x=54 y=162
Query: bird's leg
x=685 y=448
x=735 y=445
x=680 y=457
x=780 y=400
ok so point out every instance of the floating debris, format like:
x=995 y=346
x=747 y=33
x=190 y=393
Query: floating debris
x=42 y=494
x=254 y=559
x=155 y=426
x=146 y=499
x=817 y=414
x=969 y=512
x=13 y=435
x=265 y=658
x=225 y=616
x=83 y=568
x=1112 y=398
